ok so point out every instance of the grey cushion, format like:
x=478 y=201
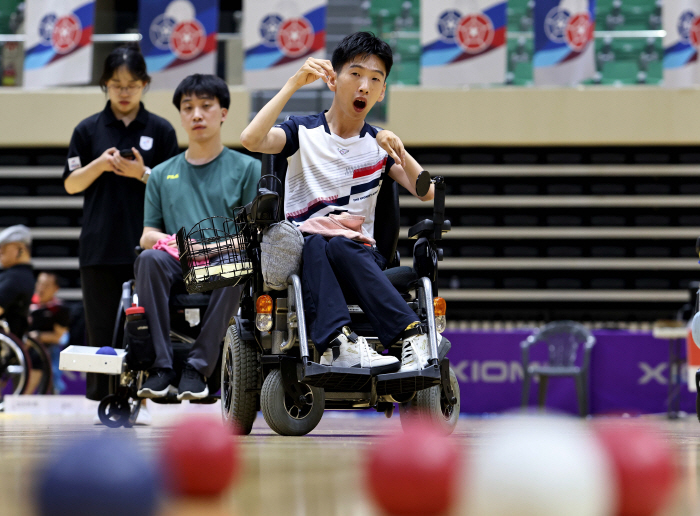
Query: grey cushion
x=280 y=254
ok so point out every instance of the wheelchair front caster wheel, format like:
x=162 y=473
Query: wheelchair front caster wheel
x=431 y=405
x=389 y=411
x=114 y=411
x=282 y=414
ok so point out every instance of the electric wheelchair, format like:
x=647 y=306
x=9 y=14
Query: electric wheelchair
x=268 y=363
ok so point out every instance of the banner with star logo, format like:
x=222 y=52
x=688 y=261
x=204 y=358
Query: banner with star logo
x=178 y=38
x=564 y=44
x=58 y=42
x=463 y=42
x=278 y=36
x=682 y=25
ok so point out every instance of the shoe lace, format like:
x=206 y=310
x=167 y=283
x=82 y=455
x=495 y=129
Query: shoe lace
x=156 y=373
x=190 y=373
x=407 y=353
x=366 y=349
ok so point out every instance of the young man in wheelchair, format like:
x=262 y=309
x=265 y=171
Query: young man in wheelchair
x=207 y=179
x=336 y=164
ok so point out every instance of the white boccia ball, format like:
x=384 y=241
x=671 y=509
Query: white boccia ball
x=540 y=466
x=180 y=10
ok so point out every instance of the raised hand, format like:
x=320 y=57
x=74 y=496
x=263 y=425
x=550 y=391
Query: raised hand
x=312 y=70
x=393 y=145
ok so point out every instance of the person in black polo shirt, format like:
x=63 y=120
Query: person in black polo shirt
x=17 y=278
x=114 y=189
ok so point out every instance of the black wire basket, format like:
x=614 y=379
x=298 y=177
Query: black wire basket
x=214 y=253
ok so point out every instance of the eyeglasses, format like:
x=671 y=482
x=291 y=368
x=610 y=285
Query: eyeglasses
x=127 y=89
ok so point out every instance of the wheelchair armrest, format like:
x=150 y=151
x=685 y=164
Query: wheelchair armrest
x=425 y=229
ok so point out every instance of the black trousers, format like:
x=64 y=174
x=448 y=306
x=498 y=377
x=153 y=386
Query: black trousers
x=102 y=290
x=156 y=273
x=337 y=266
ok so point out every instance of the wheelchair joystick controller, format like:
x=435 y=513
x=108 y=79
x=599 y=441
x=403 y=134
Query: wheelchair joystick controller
x=422 y=187
x=426 y=254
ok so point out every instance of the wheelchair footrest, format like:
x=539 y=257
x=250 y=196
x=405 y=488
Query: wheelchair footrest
x=170 y=399
x=411 y=381
x=209 y=400
x=349 y=379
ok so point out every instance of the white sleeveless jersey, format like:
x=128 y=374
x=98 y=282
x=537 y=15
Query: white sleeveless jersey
x=329 y=174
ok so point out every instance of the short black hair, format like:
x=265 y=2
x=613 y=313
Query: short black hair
x=202 y=85
x=129 y=56
x=363 y=44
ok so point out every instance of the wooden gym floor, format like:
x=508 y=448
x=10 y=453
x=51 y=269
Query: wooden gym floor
x=315 y=475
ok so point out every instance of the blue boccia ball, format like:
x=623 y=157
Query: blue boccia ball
x=106 y=350
x=103 y=476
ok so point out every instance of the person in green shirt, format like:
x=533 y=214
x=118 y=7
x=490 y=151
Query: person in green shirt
x=206 y=180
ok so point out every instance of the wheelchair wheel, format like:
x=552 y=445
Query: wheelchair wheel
x=41 y=366
x=114 y=411
x=239 y=382
x=280 y=412
x=14 y=367
x=429 y=404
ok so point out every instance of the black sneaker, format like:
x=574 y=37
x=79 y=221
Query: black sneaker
x=159 y=384
x=193 y=385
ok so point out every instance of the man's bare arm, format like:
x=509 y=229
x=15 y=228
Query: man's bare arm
x=150 y=236
x=260 y=135
x=407 y=175
x=406 y=169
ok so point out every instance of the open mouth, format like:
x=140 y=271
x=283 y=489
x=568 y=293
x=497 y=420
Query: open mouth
x=359 y=105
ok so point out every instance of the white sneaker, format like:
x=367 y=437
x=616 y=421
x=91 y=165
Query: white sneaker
x=359 y=354
x=415 y=355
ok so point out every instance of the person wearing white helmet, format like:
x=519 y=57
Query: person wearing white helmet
x=16 y=278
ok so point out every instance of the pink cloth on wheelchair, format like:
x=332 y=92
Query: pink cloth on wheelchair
x=162 y=245
x=345 y=224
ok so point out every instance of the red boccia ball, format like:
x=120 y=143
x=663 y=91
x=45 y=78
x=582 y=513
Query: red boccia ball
x=199 y=457
x=643 y=463
x=414 y=472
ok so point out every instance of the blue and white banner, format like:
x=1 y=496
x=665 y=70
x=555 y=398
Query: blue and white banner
x=463 y=42
x=682 y=26
x=58 y=42
x=564 y=44
x=179 y=38
x=278 y=36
